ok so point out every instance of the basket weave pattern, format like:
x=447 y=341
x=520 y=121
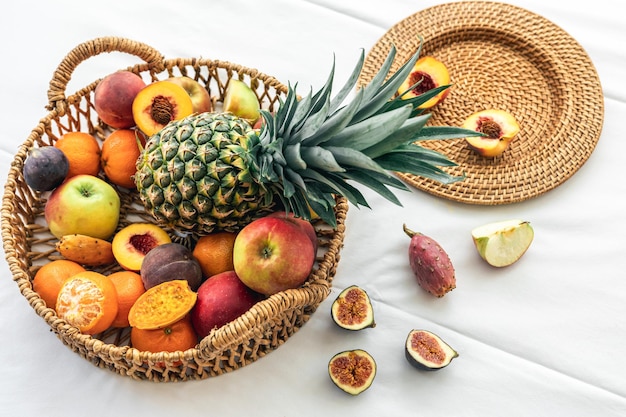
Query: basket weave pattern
x=28 y=243
x=502 y=56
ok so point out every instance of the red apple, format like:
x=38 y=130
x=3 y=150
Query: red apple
x=83 y=204
x=273 y=254
x=221 y=299
x=200 y=97
x=303 y=224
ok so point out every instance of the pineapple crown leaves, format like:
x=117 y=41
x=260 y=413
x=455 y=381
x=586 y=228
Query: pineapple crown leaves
x=312 y=148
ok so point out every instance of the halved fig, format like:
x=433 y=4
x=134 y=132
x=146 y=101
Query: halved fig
x=352 y=309
x=352 y=370
x=427 y=351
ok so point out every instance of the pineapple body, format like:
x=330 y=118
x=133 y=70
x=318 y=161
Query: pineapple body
x=195 y=174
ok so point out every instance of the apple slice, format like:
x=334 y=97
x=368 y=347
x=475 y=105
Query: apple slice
x=503 y=243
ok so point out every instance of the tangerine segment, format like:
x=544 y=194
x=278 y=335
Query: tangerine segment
x=88 y=300
x=162 y=305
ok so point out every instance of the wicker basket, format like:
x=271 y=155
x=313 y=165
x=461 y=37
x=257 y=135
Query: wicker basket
x=503 y=56
x=28 y=243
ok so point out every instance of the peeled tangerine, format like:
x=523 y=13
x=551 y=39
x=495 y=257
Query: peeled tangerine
x=430 y=264
x=499 y=128
x=504 y=242
x=352 y=309
x=427 y=351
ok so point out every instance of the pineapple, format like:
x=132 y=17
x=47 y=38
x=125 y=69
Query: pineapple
x=213 y=171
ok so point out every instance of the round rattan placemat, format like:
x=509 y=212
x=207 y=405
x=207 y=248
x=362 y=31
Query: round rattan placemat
x=503 y=56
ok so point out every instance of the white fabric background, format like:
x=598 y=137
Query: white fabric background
x=544 y=337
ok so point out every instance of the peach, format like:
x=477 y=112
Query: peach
x=428 y=73
x=499 y=128
x=114 y=96
x=160 y=103
x=131 y=244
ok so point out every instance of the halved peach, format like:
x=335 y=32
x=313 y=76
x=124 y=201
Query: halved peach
x=499 y=127
x=131 y=244
x=159 y=103
x=430 y=73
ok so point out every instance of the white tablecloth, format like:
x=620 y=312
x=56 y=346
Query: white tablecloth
x=544 y=337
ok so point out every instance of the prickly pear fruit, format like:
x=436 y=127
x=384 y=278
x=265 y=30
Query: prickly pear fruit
x=430 y=264
x=85 y=250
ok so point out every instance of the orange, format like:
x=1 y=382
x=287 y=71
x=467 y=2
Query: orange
x=214 y=252
x=88 y=300
x=120 y=151
x=82 y=151
x=179 y=335
x=162 y=305
x=49 y=278
x=129 y=287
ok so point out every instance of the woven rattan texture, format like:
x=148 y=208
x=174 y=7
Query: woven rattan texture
x=28 y=244
x=503 y=56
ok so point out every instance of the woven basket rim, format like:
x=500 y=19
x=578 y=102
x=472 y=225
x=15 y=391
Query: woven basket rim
x=123 y=359
x=503 y=56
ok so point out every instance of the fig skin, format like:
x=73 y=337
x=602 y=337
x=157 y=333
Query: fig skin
x=170 y=261
x=352 y=309
x=45 y=168
x=439 y=353
x=431 y=264
x=353 y=371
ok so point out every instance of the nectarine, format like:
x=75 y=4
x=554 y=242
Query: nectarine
x=131 y=244
x=114 y=96
x=160 y=103
x=499 y=128
x=428 y=73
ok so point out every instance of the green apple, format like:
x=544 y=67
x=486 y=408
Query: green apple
x=83 y=204
x=241 y=101
x=502 y=243
x=273 y=254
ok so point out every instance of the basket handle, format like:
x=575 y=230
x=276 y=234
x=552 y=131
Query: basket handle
x=85 y=50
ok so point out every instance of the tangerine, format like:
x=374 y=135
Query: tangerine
x=129 y=287
x=50 y=277
x=179 y=335
x=88 y=300
x=82 y=151
x=162 y=305
x=214 y=252
x=120 y=151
